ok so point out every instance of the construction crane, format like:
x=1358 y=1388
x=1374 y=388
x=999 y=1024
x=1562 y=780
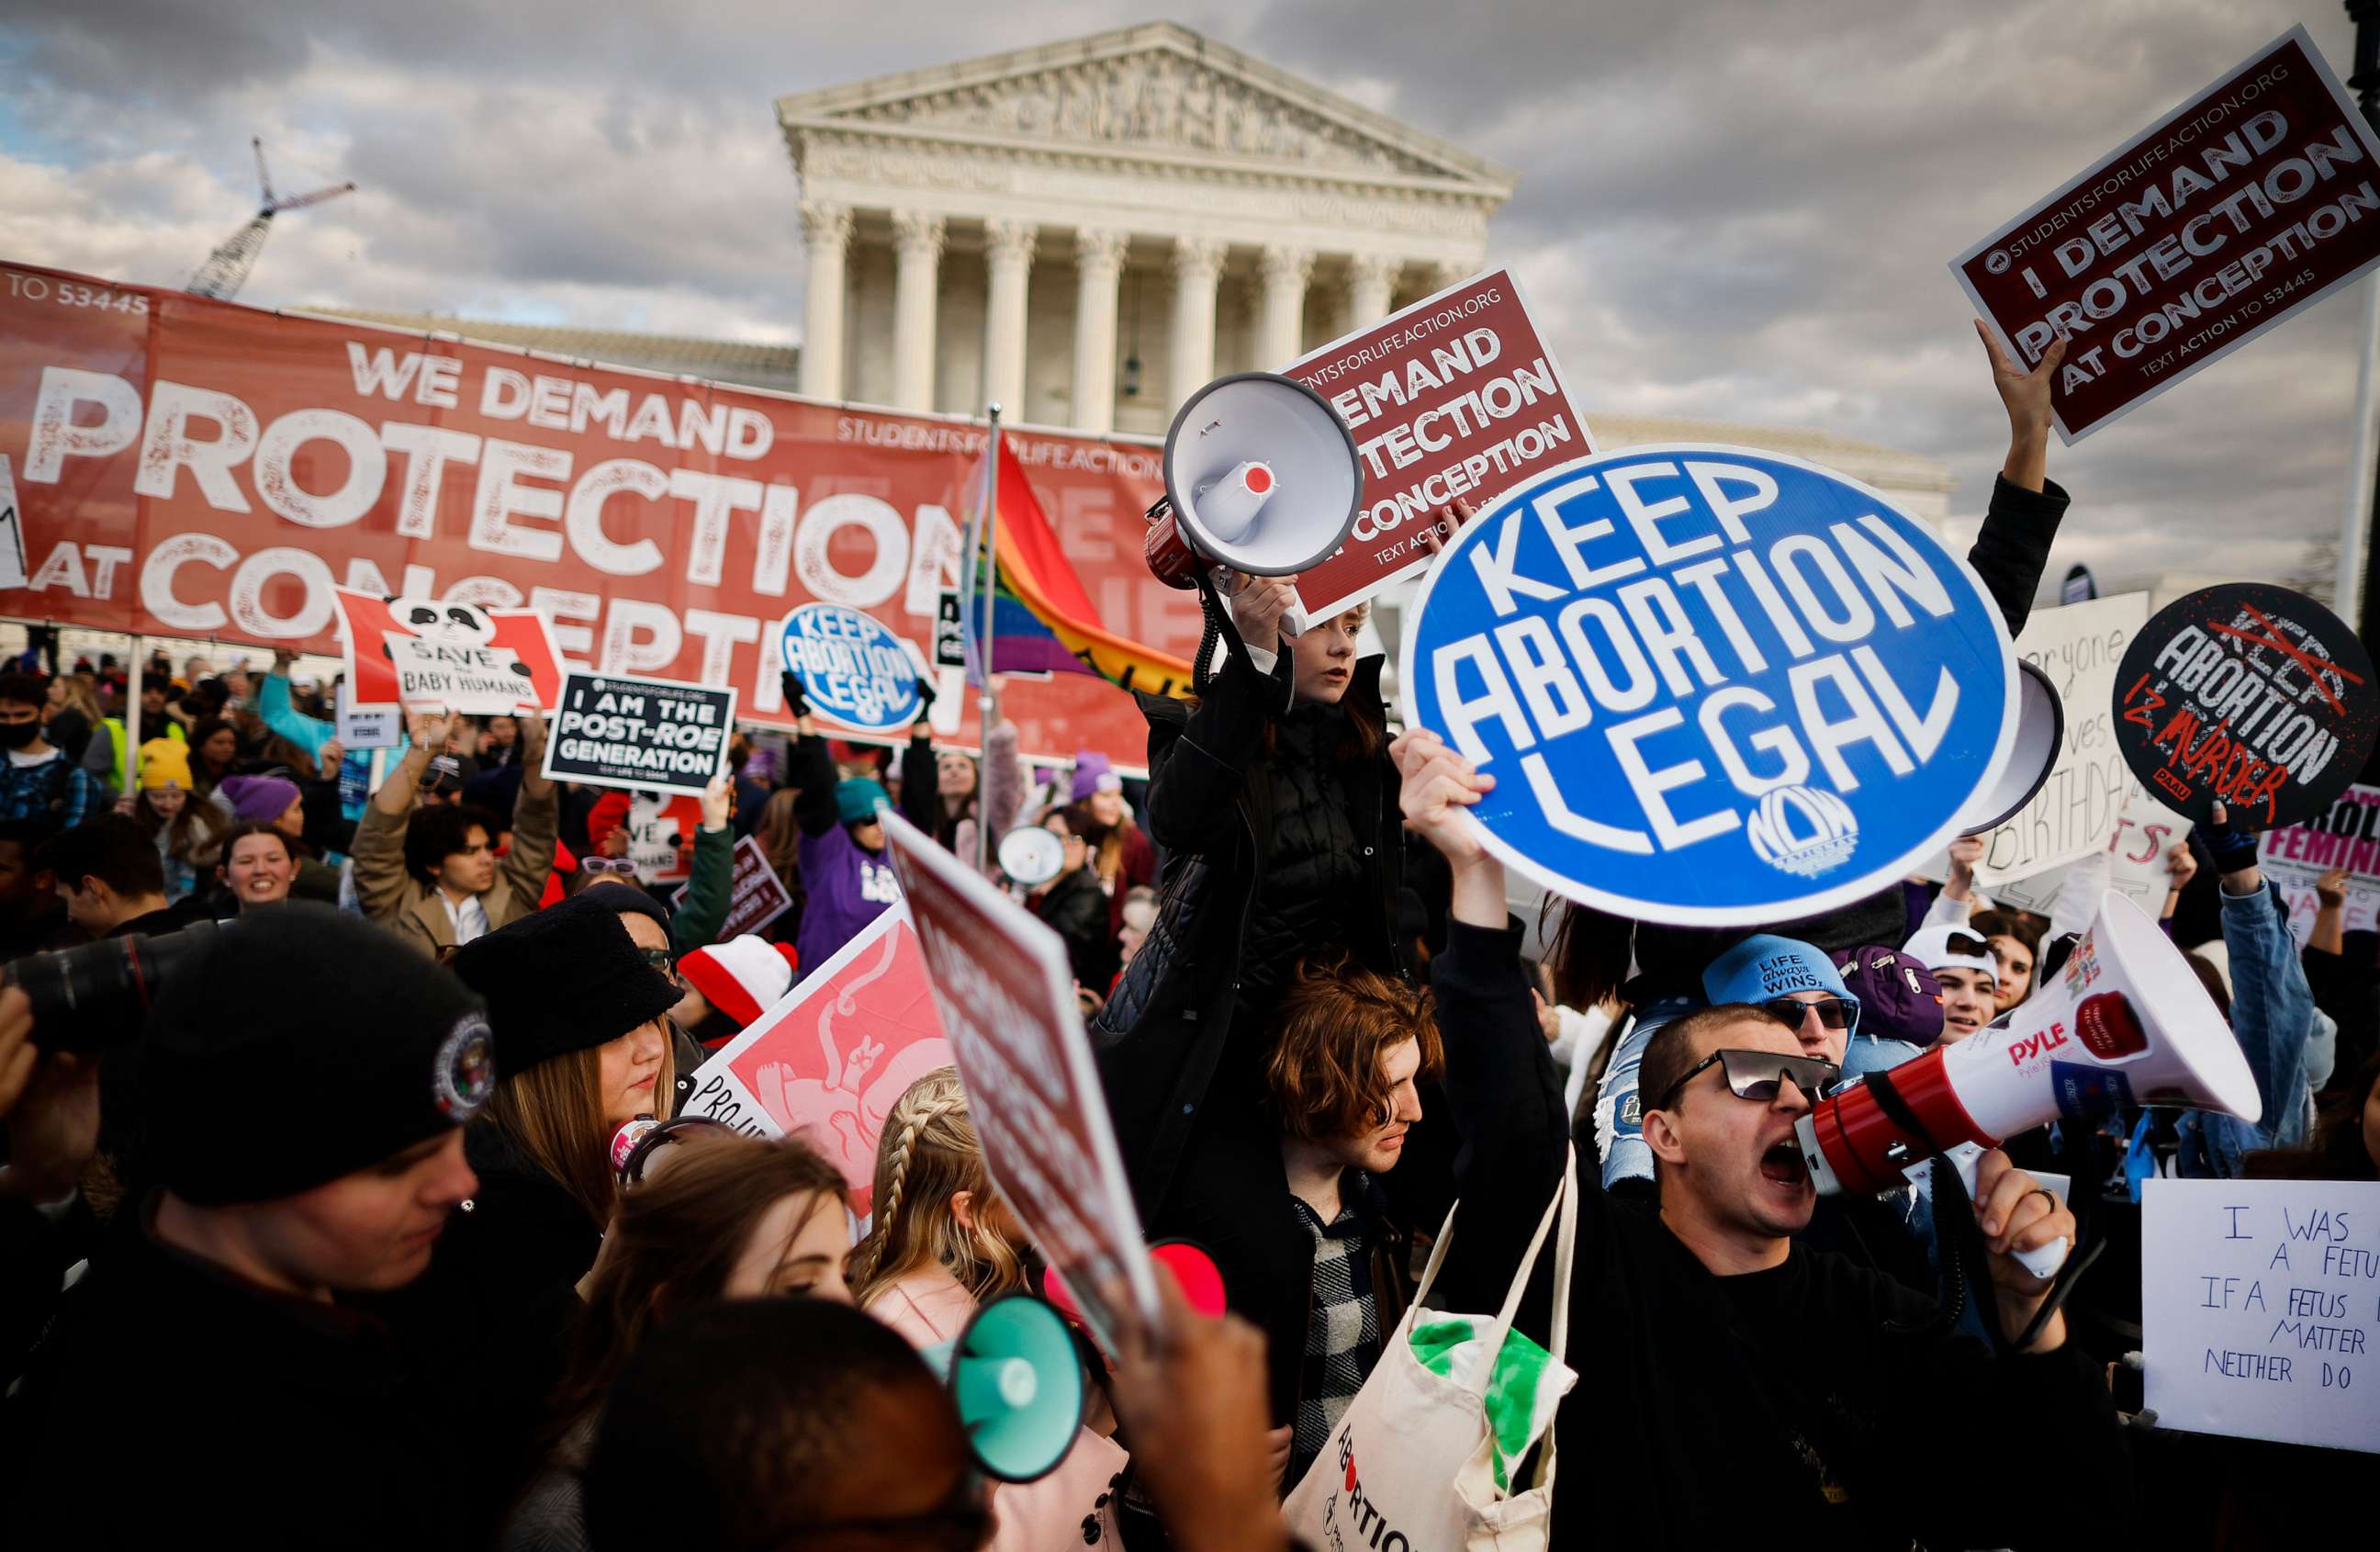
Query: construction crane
x=227 y=268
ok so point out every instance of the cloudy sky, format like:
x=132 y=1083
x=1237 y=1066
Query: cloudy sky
x=1739 y=209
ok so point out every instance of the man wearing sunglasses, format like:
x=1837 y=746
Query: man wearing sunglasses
x=1743 y=1386
x=1794 y=984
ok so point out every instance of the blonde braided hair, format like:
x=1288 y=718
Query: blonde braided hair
x=930 y=1153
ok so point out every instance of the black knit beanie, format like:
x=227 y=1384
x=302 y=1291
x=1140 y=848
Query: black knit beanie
x=562 y=979
x=619 y=899
x=301 y=1045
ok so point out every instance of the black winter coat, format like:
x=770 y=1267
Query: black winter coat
x=1181 y=1045
x=1076 y=909
x=174 y=1404
x=1164 y=1034
x=488 y=1317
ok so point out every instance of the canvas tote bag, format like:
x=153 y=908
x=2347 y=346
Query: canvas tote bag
x=1420 y=1461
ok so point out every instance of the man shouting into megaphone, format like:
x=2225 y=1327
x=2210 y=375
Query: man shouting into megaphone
x=1745 y=1387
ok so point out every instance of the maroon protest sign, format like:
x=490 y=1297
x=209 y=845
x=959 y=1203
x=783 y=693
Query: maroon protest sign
x=1007 y=1002
x=2248 y=202
x=2249 y=695
x=1455 y=398
x=755 y=898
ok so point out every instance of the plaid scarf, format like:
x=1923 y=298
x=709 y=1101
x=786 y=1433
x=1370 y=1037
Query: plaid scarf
x=1343 y=1330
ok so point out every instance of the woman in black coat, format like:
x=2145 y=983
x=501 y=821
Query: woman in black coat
x=582 y=1045
x=1276 y=806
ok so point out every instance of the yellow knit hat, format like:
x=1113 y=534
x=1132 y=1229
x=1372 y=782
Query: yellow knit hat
x=164 y=763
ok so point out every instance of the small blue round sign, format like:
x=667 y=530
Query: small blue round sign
x=1715 y=686
x=852 y=666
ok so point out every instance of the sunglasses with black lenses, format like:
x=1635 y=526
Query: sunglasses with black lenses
x=1835 y=1013
x=1755 y=1075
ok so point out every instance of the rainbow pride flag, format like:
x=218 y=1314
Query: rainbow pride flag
x=1042 y=620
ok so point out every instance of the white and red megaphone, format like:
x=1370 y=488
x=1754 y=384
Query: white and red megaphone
x=2126 y=1022
x=1261 y=476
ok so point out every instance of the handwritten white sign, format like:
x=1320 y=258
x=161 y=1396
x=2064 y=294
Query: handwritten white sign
x=2079 y=646
x=2260 y=1309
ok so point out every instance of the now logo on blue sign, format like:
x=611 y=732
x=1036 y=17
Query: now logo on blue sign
x=1716 y=686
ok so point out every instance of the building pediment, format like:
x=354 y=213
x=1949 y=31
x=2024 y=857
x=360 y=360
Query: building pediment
x=1158 y=93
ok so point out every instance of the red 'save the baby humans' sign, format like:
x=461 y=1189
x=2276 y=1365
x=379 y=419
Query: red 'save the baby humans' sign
x=2240 y=207
x=430 y=654
x=829 y=1061
x=1455 y=398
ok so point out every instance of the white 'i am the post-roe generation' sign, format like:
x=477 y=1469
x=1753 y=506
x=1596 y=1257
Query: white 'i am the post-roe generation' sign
x=1716 y=686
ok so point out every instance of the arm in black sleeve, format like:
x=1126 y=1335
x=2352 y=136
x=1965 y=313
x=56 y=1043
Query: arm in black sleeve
x=814 y=774
x=1195 y=780
x=2055 y=1403
x=1506 y=1101
x=920 y=780
x=2014 y=546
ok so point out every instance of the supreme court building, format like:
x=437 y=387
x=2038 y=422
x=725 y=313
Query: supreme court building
x=1084 y=232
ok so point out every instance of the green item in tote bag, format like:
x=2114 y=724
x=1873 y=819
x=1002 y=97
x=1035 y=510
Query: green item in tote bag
x=1520 y=1403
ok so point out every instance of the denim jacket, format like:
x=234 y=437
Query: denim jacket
x=2271 y=1015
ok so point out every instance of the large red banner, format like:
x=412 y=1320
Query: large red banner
x=198 y=468
x=2238 y=209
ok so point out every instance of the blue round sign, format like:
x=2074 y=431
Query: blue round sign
x=852 y=666
x=1716 y=686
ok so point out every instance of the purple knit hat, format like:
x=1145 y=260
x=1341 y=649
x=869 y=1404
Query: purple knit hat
x=1093 y=773
x=259 y=797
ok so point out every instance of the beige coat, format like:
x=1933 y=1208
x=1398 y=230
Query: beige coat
x=396 y=900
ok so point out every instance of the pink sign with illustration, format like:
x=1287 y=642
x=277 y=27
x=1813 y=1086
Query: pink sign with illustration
x=829 y=1061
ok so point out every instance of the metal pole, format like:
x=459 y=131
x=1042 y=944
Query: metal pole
x=986 y=704
x=2355 y=524
x=132 y=770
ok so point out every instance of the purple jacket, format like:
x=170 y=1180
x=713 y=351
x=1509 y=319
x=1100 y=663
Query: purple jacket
x=847 y=889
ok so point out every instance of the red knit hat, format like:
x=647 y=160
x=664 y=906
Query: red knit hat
x=742 y=977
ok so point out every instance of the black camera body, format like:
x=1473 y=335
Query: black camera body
x=97 y=997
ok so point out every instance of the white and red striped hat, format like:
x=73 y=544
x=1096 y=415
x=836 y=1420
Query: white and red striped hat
x=741 y=976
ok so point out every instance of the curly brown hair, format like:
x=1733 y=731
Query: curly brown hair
x=1331 y=1029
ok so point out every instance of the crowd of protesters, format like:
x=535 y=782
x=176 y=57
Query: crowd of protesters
x=385 y=1229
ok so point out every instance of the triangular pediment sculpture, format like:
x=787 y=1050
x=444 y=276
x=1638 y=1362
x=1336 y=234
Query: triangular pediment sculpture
x=1158 y=91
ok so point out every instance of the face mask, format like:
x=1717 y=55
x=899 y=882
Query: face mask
x=16 y=735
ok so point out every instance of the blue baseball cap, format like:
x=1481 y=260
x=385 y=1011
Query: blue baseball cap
x=1764 y=967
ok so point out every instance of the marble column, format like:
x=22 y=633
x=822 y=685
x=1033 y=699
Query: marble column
x=1371 y=281
x=1008 y=256
x=1281 y=337
x=1099 y=263
x=1198 y=263
x=917 y=258
x=826 y=232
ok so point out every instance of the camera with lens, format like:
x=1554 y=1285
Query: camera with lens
x=97 y=996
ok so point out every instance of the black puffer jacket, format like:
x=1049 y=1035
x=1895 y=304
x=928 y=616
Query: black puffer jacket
x=1181 y=1031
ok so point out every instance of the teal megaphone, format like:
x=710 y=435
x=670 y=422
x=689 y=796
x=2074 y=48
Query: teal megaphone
x=1018 y=1384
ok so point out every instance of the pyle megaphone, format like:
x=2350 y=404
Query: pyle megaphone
x=2126 y=1023
x=1018 y=1385
x=1261 y=476
x=2040 y=737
